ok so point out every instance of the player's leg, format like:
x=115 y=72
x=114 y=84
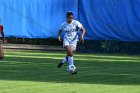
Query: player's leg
x=62 y=62
x=68 y=58
x=65 y=60
x=1 y=52
x=65 y=43
x=69 y=54
x=73 y=48
x=70 y=50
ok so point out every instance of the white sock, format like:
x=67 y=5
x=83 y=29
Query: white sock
x=70 y=60
x=64 y=60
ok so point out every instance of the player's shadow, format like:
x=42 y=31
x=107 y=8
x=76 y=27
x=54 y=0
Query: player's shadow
x=93 y=70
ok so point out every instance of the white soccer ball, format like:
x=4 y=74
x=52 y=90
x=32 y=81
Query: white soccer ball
x=71 y=69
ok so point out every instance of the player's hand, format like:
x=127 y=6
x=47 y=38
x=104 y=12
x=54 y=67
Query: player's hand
x=5 y=41
x=1 y=42
x=82 y=40
x=59 y=39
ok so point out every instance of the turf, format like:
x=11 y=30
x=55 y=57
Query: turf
x=36 y=72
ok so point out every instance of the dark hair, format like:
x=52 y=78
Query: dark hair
x=69 y=14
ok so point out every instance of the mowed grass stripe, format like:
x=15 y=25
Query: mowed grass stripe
x=23 y=72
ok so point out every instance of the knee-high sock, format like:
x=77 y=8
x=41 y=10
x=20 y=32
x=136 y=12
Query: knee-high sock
x=64 y=60
x=70 y=60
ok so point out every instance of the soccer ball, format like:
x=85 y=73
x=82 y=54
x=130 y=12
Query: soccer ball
x=71 y=69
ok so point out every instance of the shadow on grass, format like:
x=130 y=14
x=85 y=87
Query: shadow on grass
x=89 y=71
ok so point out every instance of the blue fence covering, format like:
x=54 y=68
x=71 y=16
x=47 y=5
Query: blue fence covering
x=111 y=19
x=103 y=19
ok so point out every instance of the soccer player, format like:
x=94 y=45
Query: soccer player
x=70 y=29
x=3 y=38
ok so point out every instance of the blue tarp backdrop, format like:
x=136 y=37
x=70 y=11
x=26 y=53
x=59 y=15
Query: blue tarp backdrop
x=103 y=19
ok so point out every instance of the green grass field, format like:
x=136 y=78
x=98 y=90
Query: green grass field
x=36 y=72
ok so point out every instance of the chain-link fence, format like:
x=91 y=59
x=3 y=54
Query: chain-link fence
x=106 y=47
x=90 y=46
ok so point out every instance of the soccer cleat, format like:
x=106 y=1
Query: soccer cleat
x=60 y=65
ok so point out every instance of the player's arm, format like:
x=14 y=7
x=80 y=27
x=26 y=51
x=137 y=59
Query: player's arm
x=59 y=34
x=80 y=26
x=83 y=34
x=3 y=37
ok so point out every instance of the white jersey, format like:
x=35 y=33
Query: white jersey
x=71 y=30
